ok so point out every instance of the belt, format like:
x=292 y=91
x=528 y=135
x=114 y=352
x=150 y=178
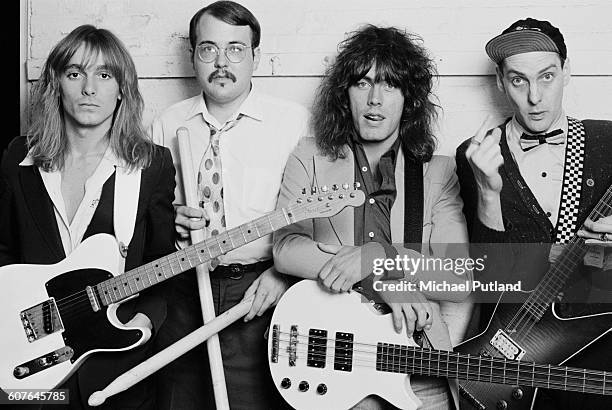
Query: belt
x=237 y=270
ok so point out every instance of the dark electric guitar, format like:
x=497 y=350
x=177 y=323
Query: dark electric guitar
x=329 y=351
x=543 y=329
x=52 y=317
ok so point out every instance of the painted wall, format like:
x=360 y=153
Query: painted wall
x=300 y=37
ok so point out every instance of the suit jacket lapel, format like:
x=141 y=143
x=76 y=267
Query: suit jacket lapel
x=102 y=219
x=341 y=171
x=41 y=208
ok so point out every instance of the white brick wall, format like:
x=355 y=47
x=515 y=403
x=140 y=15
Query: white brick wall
x=301 y=35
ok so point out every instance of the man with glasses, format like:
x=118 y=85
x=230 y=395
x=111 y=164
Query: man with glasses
x=240 y=141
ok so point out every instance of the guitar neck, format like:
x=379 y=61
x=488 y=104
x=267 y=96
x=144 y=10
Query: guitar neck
x=123 y=286
x=573 y=253
x=415 y=360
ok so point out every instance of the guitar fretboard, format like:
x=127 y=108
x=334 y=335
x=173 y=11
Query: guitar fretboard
x=573 y=253
x=123 y=286
x=413 y=360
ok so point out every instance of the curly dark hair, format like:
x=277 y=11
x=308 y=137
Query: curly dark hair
x=400 y=61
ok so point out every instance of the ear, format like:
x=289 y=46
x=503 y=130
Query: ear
x=567 y=72
x=256 y=58
x=498 y=77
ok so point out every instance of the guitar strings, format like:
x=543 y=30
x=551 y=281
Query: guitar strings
x=371 y=348
x=79 y=302
x=425 y=370
x=551 y=284
x=577 y=380
x=74 y=303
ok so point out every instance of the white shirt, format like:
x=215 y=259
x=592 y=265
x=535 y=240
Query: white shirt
x=542 y=166
x=253 y=156
x=71 y=233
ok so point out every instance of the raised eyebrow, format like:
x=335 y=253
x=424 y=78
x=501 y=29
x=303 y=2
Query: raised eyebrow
x=552 y=66
x=545 y=69
x=515 y=72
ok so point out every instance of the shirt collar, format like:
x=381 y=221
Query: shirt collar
x=250 y=107
x=109 y=158
x=28 y=161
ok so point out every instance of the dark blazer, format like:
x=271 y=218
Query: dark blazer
x=29 y=234
x=525 y=222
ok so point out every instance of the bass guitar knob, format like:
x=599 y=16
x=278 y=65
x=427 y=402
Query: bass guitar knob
x=502 y=405
x=286 y=383
x=303 y=386
x=517 y=393
x=321 y=389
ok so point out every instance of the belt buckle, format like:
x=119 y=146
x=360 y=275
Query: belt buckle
x=236 y=271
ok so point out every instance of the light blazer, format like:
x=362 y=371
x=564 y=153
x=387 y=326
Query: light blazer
x=295 y=247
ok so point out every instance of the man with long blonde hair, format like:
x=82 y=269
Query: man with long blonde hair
x=58 y=187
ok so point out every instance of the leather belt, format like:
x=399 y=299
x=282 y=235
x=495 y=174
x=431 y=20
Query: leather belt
x=237 y=270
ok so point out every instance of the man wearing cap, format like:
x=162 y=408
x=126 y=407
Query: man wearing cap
x=536 y=177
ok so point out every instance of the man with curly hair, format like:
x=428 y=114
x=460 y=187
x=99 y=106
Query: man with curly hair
x=372 y=123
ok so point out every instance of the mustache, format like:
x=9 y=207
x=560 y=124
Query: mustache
x=221 y=74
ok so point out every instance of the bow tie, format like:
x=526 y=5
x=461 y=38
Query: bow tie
x=555 y=137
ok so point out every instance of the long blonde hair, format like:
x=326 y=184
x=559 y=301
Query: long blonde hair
x=47 y=139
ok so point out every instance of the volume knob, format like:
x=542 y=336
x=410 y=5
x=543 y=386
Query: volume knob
x=321 y=389
x=286 y=383
x=303 y=386
x=517 y=393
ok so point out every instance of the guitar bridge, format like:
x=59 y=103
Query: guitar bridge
x=506 y=346
x=41 y=320
x=275 y=342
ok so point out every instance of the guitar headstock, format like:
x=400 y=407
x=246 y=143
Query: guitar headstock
x=325 y=201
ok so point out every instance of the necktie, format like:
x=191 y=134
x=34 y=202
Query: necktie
x=210 y=183
x=555 y=137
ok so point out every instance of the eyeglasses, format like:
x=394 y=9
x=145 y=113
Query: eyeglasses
x=235 y=53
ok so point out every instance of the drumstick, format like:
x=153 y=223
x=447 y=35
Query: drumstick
x=172 y=352
x=206 y=299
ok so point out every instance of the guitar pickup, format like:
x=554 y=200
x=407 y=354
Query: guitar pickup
x=506 y=346
x=41 y=320
x=293 y=344
x=317 y=348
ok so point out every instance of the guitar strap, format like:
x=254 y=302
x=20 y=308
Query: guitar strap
x=572 y=182
x=125 y=205
x=413 y=201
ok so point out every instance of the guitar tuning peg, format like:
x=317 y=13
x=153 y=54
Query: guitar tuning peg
x=313 y=190
x=335 y=187
x=356 y=185
x=303 y=191
x=324 y=188
x=345 y=186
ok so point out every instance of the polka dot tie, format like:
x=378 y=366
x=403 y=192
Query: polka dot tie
x=210 y=183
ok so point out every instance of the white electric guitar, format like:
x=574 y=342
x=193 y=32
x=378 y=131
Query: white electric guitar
x=52 y=317
x=329 y=351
